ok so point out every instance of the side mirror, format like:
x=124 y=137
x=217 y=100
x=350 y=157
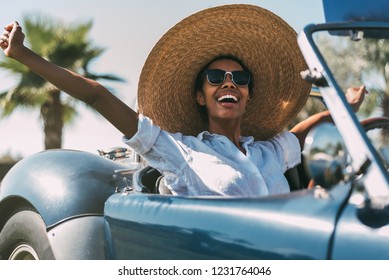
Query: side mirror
x=325 y=155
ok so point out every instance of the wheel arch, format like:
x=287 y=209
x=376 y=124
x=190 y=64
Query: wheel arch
x=11 y=205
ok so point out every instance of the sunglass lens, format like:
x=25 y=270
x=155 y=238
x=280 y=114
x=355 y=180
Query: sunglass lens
x=241 y=78
x=215 y=76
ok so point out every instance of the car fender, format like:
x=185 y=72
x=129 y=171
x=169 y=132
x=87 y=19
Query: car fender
x=80 y=238
x=58 y=184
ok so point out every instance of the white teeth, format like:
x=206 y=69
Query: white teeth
x=221 y=98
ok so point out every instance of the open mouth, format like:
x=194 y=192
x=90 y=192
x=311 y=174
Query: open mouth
x=228 y=99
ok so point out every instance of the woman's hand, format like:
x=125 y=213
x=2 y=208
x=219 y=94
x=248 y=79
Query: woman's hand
x=355 y=96
x=11 y=41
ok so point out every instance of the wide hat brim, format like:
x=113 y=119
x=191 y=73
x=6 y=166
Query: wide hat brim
x=265 y=43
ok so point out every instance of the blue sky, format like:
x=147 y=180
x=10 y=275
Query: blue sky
x=128 y=29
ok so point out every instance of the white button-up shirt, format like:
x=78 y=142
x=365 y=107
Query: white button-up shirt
x=211 y=164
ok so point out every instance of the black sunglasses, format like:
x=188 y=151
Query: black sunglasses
x=217 y=77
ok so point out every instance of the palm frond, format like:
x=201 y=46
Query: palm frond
x=13 y=66
x=24 y=96
x=69 y=114
x=108 y=77
x=66 y=45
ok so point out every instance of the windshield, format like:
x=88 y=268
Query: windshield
x=361 y=57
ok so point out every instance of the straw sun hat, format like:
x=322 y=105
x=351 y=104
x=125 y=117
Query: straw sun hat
x=264 y=42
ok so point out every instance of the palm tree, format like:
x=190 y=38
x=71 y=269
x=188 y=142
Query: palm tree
x=66 y=45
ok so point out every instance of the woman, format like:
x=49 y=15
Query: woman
x=217 y=75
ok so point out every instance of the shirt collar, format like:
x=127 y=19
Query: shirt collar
x=207 y=135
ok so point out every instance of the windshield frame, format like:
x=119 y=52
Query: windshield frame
x=364 y=157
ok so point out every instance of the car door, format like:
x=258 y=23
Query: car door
x=362 y=231
x=298 y=225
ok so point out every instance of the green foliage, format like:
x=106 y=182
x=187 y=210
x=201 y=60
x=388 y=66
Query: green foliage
x=66 y=45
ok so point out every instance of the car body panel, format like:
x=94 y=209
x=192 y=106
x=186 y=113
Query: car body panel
x=293 y=226
x=362 y=233
x=79 y=238
x=61 y=184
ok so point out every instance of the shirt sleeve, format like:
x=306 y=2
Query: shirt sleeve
x=285 y=148
x=160 y=149
x=145 y=137
x=290 y=147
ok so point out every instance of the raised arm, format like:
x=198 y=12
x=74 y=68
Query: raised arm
x=354 y=97
x=87 y=90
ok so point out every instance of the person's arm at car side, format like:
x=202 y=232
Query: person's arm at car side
x=87 y=90
x=354 y=97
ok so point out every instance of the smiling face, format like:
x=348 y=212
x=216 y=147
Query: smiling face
x=225 y=101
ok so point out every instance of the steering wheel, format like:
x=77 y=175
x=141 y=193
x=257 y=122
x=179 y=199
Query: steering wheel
x=374 y=123
x=377 y=123
x=369 y=125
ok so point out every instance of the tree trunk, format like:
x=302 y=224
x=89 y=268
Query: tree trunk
x=52 y=116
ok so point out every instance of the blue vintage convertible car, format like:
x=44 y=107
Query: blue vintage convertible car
x=64 y=204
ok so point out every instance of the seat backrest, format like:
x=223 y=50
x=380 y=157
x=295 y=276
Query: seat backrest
x=152 y=180
x=147 y=179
